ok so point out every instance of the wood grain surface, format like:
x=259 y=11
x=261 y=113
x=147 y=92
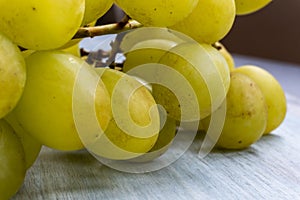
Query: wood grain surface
x=269 y=169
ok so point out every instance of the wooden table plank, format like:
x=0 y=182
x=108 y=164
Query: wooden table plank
x=269 y=169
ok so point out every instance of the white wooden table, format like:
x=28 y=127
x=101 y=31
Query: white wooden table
x=270 y=169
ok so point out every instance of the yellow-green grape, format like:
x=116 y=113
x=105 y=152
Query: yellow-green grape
x=148 y=51
x=31 y=146
x=272 y=91
x=12 y=165
x=12 y=75
x=94 y=9
x=157 y=12
x=209 y=22
x=134 y=37
x=203 y=67
x=244 y=7
x=135 y=125
x=45 y=109
x=228 y=57
x=41 y=25
x=246 y=116
x=164 y=140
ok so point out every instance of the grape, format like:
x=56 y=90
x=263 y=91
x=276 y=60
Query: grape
x=246 y=116
x=31 y=147
x=244 y=7
x=157 y=12
x=273 y=94
x=209 y=22
x=134 y=37
x=229 y=59
x=201 y=66
x=12 y=75
x=164 y=140
x=149 y=51
x=12 y=165
x=45 y=109
x=94 y=9
x=135 y=125
x=41 y=25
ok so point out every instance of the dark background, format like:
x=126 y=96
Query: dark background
x=272 y=32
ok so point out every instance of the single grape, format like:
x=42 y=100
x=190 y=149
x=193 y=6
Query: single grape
x=31 y=146
x=228 y=57
x=272 y=91
x=41 y=25
x=94 y=9
x=12 y=165
x=209 y=22
x=246 y=116
x=12 y=75
x=157 y=12
x=45 y=109
x=244 y=7
x=135 y=125
x=204 y=69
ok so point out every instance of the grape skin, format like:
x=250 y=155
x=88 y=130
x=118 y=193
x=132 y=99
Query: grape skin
x=94 y=9
x=12 y=165
x=45 y=109
x=209 y=22
x=124 y=143
x=273 y=93
x=246 y=116
x=244 y=7
x=12 y=75
x=196 y=59
x=41 y=25
x=31 y=146
x=156 y=12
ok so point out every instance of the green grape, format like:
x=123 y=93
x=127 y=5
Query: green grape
x=135 y=125
x=228 y=57
x=148 y=51
x=164 y=140
x=272 y=91
x=31 y=147
x=147 y=45
x=201 y=66
x=12 y=75
x=157 y=12
x=244 y=7
x=94 y=9
x=134 y=37
x=209 y=22
x=45 y=109
x=246 y=116
x=41 y=25
x=12 y=165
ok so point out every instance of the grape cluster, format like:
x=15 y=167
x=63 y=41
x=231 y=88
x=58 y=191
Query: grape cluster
x=49 y=94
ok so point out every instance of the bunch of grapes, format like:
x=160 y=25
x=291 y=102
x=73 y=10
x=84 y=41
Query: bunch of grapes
x=176 y=75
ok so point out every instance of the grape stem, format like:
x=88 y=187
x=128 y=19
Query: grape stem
x=128 y=24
